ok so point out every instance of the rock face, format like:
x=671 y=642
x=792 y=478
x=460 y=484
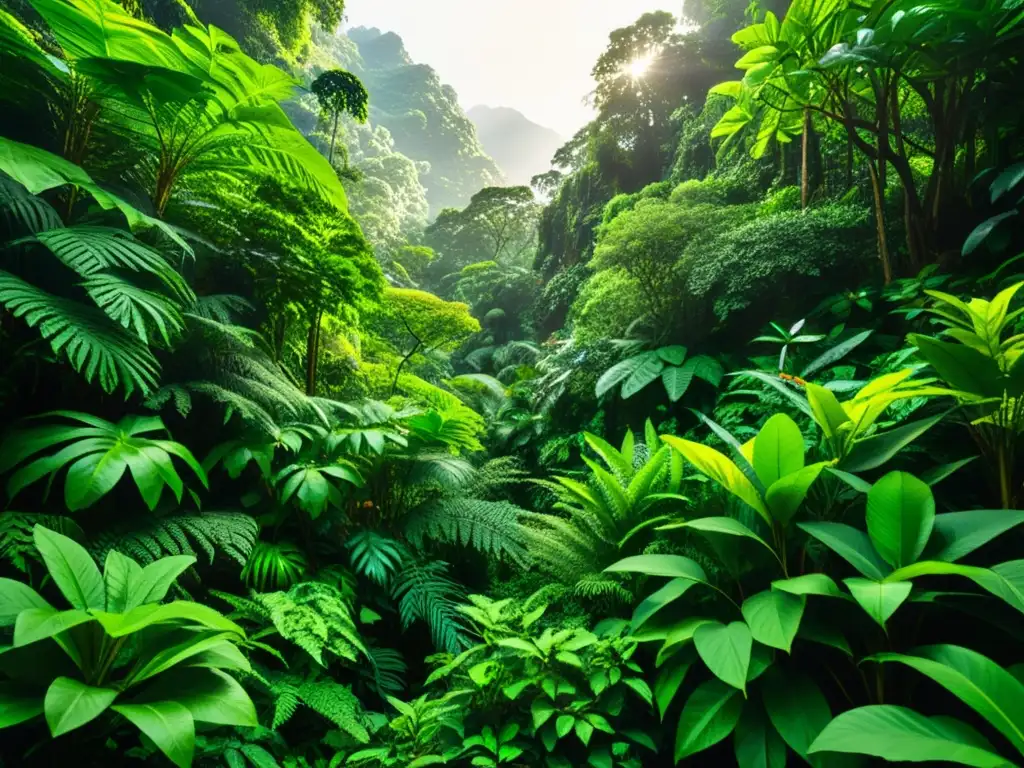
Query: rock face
x=521 y=148
x=424 y=118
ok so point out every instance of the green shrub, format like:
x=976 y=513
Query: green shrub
x=748 y=269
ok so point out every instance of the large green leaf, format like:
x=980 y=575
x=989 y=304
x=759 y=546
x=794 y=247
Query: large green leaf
x=879 y=598
x=963 y=368
x=658 y=600
x=719 y=468
x=37 y=624
x=175 y=647
x=796 y=707
x=872 y=452
x=850 y=544
x=957 y=534
x=828 y=413
x=168 y=723
x=617 y=374
x=786 y=494
x=177 y=612
x=120 y=578
x=728 y=526
x=16 y=597
x=670 y=680
x=18 y=704
x=774 y=617
x=1005 y=581
x=809 y=584
x=980 y=683
x=647 y=371
x=72 y=569
x=158 y=577
x=673 y=566
x=725 y=649
x=677 y=380
x=778 y=449
x=757 y=743
x=209 y=694
x=900 y=516
x=70 y=704
x=709 y=716
x=897 y=733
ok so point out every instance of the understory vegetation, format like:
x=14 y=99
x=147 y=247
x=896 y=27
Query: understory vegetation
x=702 y=449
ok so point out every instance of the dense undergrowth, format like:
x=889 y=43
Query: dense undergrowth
x=703 y=449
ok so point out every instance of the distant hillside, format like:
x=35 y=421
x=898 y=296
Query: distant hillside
x=521 y=148
x=425 y=119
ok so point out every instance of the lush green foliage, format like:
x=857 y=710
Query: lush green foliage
x=704 y=449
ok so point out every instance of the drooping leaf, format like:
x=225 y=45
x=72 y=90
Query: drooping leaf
x=168 y=723
x=897 y=733
x=850 y=544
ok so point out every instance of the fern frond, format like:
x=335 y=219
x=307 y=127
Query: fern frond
x=231 y=533
x=338 y=704
x=495 y=476
x=315 y=617
x=425 y=593
x=388 y=670
x=441 y=470
x=94 y=345
x=603 y=587
x=223 y=307
x=490 y=527
x=17 y=545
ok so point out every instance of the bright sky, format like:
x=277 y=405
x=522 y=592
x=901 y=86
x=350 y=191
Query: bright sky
x=532 y=55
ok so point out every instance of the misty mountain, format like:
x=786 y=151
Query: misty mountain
x=518 y=145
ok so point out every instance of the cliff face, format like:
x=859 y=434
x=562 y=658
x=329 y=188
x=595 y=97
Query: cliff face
x=520 y=147
x=424 y=117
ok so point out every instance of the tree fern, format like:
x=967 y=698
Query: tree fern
x=232 y=534
x=490 y=527
x=95 y=346
x=425 y=593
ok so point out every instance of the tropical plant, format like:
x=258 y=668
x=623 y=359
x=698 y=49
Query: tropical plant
x=99 y=453
x=160 y=667
x=610 y=514
x=669 y=363
x=982 y=365
x=562 y=696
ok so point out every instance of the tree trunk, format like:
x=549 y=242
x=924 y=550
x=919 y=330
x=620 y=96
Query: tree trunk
x=805 y=173
x=334 y=136
x=883 y=248
x=312 y=353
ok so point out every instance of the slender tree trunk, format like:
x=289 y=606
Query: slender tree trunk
x=883 y=247
x=805 y=173
x=334 y=136
x=312 y=352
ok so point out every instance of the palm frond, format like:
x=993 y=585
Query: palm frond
x=94 y=345
x=135 y=308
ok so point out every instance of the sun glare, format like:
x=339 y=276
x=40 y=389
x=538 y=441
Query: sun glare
x=637 y=68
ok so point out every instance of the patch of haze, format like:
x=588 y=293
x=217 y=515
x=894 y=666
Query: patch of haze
x=532 y=55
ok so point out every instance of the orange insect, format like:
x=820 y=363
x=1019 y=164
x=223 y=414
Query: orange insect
x=794 y=379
